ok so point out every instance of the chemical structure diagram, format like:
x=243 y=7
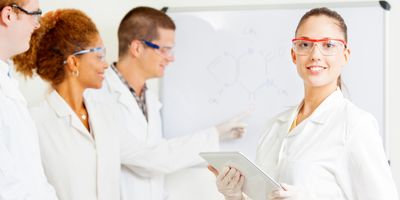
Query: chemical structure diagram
x=248 y=71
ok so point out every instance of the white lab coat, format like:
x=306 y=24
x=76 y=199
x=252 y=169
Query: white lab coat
x=78 y=166
x=336 y=153
x=121 y=107
x=83 y=168
x=21 y=172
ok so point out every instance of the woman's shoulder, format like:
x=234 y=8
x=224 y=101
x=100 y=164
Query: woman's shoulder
x=358 y=122
x=40 y=111
x=354 y=114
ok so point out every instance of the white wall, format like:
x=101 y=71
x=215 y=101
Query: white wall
x=107 y=15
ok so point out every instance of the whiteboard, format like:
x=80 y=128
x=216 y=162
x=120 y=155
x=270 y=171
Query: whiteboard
x=234 y=60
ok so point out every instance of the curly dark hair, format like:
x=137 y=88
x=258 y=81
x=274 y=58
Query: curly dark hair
x=62 y=32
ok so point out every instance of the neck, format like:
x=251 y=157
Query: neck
x=314 y=97
x=72 y=93
x=3 y=55
x=130 y=71
x=6 y=50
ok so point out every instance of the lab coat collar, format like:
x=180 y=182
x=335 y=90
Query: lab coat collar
x=125 y=97
x=319 y=116
x=9 y=85
x=5 y=68
x=62 y=109
x=114 y=83
x=153 y=106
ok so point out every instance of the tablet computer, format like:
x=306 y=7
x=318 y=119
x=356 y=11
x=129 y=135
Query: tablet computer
x=257 y=183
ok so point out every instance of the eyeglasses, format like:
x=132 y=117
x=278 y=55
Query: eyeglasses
x=101 y=53
x=36 y=13
x=167 y=51
x=328 y=47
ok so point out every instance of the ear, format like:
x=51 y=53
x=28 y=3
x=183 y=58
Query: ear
x=6 y=16
x=72 y=63
x=346 y=56
x=294 y=57
x=135 y=48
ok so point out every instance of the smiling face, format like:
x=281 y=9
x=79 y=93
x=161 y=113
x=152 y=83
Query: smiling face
x=153 y=61
x=316 y=69
x=91 y=66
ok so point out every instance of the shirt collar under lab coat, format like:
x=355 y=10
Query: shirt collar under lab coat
x=319 y=115
x=115 y=85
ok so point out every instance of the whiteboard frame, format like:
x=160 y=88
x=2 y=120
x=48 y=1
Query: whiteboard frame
x=274 y=6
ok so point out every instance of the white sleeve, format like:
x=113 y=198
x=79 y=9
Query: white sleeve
x=43 y=190
x=169 y=155
x=13 y=186
x=368 y=165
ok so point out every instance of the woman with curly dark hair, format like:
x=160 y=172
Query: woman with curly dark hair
x=67 y=52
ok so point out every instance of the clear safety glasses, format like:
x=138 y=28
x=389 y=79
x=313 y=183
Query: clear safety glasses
x=167 y=51
x=328 y=47
x=101 y=53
